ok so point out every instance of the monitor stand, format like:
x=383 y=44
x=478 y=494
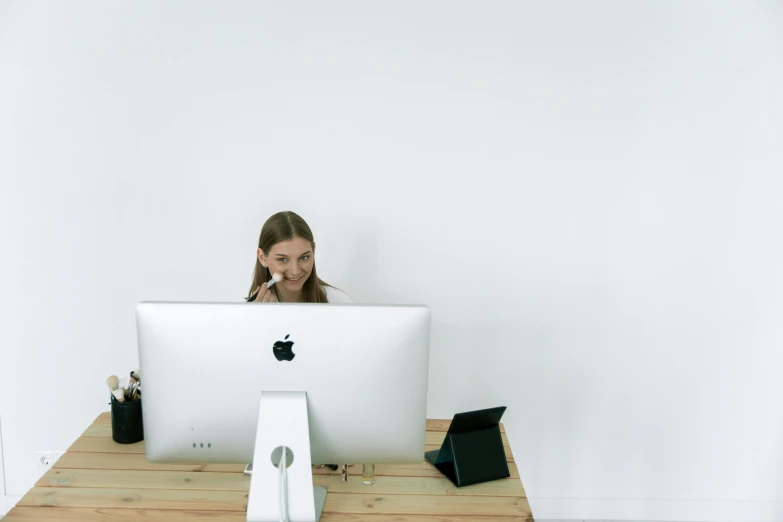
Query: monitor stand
x=282 y=421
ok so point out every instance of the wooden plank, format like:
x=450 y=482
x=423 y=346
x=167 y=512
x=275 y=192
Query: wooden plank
x=84 y=460
x=426 y=505
x=201 y=500
x=107 y=445
x=136 y=462
x=72 y=461
x=189 y=480
x=27 y=514
x=65 y=514
x=208 y=500
x=101 y=478
x=423 y=469
x=373 y=517
x=421 y=486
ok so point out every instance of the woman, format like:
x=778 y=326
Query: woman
x=286 y=246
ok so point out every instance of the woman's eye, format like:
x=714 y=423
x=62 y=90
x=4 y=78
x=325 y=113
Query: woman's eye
x=281 y=259
x=304 y=258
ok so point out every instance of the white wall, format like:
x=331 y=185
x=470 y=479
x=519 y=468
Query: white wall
x=2 y=472
x=586 y=194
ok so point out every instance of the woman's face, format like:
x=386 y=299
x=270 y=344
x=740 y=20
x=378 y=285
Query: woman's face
x=293 y=259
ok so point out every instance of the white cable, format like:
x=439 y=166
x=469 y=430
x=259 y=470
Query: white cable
x=283 y=500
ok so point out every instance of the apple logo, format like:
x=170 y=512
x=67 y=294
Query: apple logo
x=282 y=350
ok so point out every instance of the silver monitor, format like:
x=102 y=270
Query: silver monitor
x=204 y=367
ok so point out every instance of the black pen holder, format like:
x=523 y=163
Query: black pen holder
x=127 y=425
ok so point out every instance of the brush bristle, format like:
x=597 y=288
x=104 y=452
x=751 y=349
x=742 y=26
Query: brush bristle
x=277 y=277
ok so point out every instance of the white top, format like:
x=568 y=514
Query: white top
x=333 y=295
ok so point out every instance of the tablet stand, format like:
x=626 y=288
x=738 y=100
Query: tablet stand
x=473 y=449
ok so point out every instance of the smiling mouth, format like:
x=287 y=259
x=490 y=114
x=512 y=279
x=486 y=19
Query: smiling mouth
x=293 y=280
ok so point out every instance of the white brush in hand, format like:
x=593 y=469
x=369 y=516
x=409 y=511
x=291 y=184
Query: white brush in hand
x=276 y=278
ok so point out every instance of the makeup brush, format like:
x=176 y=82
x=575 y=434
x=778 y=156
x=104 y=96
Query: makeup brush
x=133 y=391
x=276 y=278
x=136 y=375
x=113 y=381
x=119 y=395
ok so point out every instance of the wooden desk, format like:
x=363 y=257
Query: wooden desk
x=100 y=480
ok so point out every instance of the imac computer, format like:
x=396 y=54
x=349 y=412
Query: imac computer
x=233 y=382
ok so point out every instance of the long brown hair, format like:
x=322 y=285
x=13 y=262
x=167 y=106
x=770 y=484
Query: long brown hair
x=284 y=226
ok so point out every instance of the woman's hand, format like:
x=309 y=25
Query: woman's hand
x=265 y=295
